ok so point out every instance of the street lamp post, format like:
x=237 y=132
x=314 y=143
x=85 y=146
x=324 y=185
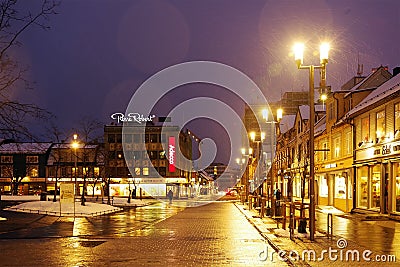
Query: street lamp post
x=247 y=171
x=298 y=50
x=75 y=146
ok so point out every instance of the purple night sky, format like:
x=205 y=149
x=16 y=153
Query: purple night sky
x=98 y=52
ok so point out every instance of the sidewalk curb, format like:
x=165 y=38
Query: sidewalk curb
x=270 y=242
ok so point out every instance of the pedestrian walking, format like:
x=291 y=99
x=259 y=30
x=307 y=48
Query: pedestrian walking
x=170 y=195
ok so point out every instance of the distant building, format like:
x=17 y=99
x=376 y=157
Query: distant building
x=290 y=102
x=82 y=166
x=23 y=168
x=149 y=159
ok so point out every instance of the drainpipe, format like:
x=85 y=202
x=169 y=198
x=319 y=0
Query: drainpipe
x=354 y=167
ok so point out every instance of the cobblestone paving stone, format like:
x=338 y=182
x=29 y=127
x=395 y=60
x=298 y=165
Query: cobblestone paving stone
x=280 y=240
x=217 y=234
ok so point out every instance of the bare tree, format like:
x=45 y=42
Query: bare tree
x=14 y=21
x=90 y=133
x=56 y=155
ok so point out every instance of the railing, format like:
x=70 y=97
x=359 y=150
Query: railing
x=57 y=213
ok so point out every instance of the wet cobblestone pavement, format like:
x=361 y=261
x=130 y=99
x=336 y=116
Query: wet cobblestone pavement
x=217 y=234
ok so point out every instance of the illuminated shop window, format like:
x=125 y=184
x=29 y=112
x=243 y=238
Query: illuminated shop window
x=380 y=124
x=397 y=116
x=365 y=129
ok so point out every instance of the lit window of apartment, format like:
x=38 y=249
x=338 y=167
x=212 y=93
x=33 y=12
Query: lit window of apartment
x=380 y=124
x=348 y=148
x=32 y=171
x=96 y=171
x=397 y=116
x=146 y=171
x=32 y=159
x=7 y=171
x=336 y=146
x=137 y=171
x=325 y=151
x=365 y=129
x=331 y=111
x=6 y=159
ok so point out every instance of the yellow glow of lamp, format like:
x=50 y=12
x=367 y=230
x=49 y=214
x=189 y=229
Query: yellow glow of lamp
x=265 y=114
x=324 y=52
x=279 y=114
x=262 y=136
x=250 y=151
x=75 y=144
x=253 y=136
x=298 y=53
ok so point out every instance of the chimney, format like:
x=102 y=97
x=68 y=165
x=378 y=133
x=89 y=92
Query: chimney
x=396 y=71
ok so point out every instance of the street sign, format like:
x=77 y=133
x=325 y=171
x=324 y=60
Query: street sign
x=67 y=193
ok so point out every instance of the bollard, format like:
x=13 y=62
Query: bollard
x=250 y=201
x=292 y=221
x=330 y=226
x=284 y=215
x=262 y=212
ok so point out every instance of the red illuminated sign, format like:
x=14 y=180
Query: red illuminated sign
x=171 y=153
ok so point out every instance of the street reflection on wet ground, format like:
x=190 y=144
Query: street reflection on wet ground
x=158 y=235
x=129 y=222
x=378 y=235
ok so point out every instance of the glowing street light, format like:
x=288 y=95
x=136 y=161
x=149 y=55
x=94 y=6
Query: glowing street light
x=298 y=56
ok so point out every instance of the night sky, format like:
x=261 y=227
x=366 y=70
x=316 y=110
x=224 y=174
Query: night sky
x=98 y=52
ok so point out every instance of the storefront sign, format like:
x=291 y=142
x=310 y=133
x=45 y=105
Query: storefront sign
x=329 y=166
x=379 y=151
x=171 y=154
x=132 y=117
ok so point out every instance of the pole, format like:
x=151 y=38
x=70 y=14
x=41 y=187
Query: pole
x=311 y=178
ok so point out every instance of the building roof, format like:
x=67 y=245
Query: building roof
x=320 y=126
x=387 y=89
x=287 y=123
x=69 y=146
x=25 y=148
x=305 y=110
x=359 y=86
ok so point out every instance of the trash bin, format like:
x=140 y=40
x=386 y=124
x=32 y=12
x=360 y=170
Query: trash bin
x=43 y=196
x=302 y=226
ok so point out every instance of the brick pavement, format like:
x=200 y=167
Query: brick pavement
x=217 y=234
x=280 y=240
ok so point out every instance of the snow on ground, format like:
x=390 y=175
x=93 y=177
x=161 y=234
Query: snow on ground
x=31 y=204
x=64 y=209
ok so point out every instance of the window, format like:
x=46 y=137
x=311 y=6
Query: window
x=7 y=171
x=146 y=171
x=32 y=171
x=397 y=116
x=325 y=152
x=365 y=129
x=111 y=138
x=154 y=138
x=32 y=159
x=336 y=146
x=162 y=155
x=153 y=154
x=137 y=171
x=380 y=124
x=6 y=159
x=136 y=138
x=331 y=111
x=96 y=171
x=162 y=171
x=128 y=138
x=348 y=148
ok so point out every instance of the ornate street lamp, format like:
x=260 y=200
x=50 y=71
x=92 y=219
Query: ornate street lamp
x=298 y=55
